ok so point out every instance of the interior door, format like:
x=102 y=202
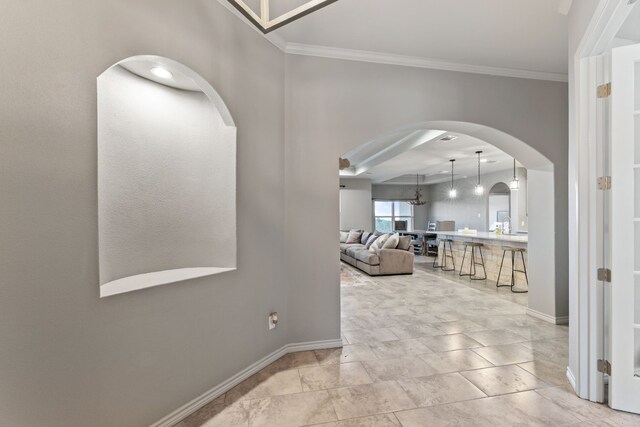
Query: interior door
x=600 y=254
x=624 y=386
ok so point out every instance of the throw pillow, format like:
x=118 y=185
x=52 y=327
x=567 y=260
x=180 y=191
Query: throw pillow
x=370 y=241
x=377 y=245
x=344 y=235
x=391 y=242
x=354 y=237
x=404 y=243
x=365 y=237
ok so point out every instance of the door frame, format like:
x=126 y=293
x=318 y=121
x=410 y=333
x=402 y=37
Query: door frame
x=586 y=335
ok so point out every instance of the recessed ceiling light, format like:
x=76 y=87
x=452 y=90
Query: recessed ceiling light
x=444 y=171
x=161 y=72
x=484 y=160
x=448 y=138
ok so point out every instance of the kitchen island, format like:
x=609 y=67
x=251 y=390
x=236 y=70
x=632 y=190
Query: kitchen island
x=492 y=250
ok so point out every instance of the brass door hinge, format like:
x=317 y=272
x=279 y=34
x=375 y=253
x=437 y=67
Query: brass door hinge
x=604 y=275
x=604 y=366
x=604 y=183
x=604 y=90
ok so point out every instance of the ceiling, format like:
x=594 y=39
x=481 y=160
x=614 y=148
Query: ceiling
x=429 y=160
x=518 y=38
x=521 y=35
x=631 y=28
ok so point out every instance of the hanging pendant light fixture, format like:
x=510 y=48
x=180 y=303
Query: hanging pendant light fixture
x=418 y=200
x=452 y=192
x=479 y=190
x=514 y=184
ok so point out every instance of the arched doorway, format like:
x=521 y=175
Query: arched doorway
x=547 y=268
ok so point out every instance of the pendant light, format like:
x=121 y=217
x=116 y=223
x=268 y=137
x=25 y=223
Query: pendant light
x=418 y=199
x=514 y=184
x=452 y=192
x=479 y=190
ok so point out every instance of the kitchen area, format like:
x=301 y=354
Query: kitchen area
x=478 y=215
x=477 y=226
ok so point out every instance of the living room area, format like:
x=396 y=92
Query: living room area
x=421 y=334
x=450 y=204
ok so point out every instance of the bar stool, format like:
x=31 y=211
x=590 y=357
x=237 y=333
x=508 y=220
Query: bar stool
x=419 y=245
x=445 y=255
x=474 y=262
x=513 y=251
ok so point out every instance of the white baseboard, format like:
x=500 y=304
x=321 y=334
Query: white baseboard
x=200 y=401
x=571 y=378
x=560 y=320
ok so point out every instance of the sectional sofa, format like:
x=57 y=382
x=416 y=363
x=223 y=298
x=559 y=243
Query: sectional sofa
x=393 y=259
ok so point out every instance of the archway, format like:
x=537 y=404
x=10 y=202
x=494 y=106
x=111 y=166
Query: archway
x=544 y=264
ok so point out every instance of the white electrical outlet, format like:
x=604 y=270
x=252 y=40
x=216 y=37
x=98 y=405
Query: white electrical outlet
x=273 y=320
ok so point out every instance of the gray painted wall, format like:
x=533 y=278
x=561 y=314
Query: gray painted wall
x=469 y=210
x=67 y=357
x=334 y=105
x=541 y=265
x=355 y=204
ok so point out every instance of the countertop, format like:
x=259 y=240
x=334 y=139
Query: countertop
x=487 y=235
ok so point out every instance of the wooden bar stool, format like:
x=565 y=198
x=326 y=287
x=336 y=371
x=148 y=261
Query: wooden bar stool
x=445 y=256
x=475 y=246
x=513 y=268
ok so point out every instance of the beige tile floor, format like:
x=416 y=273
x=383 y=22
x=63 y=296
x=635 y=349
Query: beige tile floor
x=421 y=350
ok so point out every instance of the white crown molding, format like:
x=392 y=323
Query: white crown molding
x=390 y=58
x=414 y=61
x=276 y=40
x=208 y=396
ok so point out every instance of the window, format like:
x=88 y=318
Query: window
x=392 y=215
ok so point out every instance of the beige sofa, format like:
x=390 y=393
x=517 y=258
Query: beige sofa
x=381 y=262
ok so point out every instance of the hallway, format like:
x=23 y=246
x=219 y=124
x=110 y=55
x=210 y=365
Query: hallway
x=420 y=350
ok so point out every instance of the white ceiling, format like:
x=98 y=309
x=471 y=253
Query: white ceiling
x=525 y=35
x=631 y=28
x=430 y=160
x=519 y=38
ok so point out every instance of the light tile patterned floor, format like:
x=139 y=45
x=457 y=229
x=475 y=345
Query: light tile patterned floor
x=421 y=350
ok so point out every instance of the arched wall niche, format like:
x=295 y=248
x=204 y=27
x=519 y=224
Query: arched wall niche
x=166 y=176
